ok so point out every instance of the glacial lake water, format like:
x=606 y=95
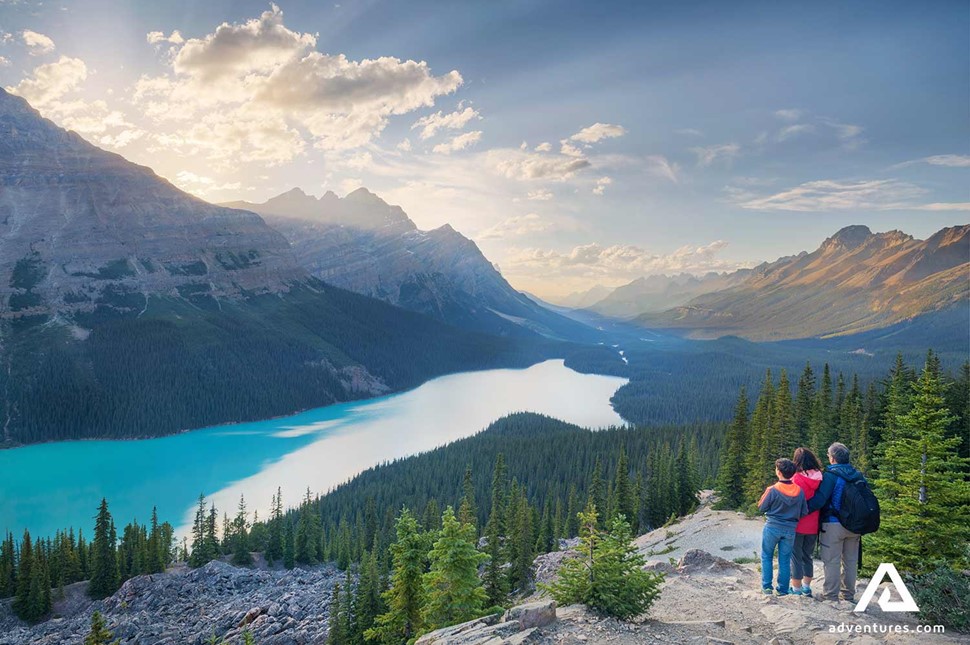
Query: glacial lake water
x=50 y=486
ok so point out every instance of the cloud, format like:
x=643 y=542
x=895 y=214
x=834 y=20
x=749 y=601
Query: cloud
x=617 y=263
x=459 y=142
x=545 y=146
x=601 y=185
x=405 y=145
x=516 y=226
x=528 y=166
x=258 y=91
x=950 y=161
x=790 y=114
x=4 y=62
x=201 y=185
x=51 y=81
x=944 y=206
x=831 y=195
x=791 y=131
x=660 y=166
x=37 y=44
x=539 y=195
x=706 y=155
x=690 y=132
x=453 y=121
x=159 y=38
x=598 y=132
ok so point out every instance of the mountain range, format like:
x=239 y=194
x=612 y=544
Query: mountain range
x=363 y=244
x=854 y=282
x=130 y=308
x=656 y=293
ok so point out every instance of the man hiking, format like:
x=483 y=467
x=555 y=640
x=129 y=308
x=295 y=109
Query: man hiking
x=845 y=501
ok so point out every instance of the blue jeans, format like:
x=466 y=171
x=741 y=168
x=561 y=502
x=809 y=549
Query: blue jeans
x=784 y=539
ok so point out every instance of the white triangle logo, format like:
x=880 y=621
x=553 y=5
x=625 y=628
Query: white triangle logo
x=906 y=604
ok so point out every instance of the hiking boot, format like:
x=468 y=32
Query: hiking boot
x=795 y=591
x=806 y=591
x=766 y=591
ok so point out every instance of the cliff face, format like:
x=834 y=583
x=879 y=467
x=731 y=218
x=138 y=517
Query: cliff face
x=855 y=281
x=81 y=227
x=365 y=245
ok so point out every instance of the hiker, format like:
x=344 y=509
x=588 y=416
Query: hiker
x=846 y=503
x=783 y=504
x=808 y=477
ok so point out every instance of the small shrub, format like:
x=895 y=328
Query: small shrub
x=943 y=597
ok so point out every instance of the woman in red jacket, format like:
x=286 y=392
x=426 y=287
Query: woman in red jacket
x=808 y=476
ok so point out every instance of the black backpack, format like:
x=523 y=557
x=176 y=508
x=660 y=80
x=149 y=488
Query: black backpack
x=859 y=510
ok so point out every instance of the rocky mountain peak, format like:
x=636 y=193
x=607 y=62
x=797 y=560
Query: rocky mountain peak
x=848 y=238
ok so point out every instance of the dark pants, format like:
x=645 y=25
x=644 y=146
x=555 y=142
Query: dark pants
x=801 y=556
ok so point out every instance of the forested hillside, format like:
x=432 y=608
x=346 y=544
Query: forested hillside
x=183 y=364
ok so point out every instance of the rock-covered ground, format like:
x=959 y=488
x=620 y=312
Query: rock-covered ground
x=189 y=607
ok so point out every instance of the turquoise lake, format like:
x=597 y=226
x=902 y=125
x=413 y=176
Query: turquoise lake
x=50 y=486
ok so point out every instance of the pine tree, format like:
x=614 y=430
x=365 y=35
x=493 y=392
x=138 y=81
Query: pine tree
x=453 y=592
x=240 y=532
x=608 y=574
x=104 y=562
x=338 y=632
x=99 y=634
x=496 y=583
x=521 y=540
x=467 y=511
x=8 y=567
x=822 y=426
x=289 y=552
x=597 y=491
x=274 y=543
x=926 y=499
x=368 y=603
x=625 y=504
x=686 y=483
x=763 y=445
x=198 y=557
x=804 y=400
x=898 y=401
x=730 y=475
x=783 y=418
x=21 y=602
x=405 y=596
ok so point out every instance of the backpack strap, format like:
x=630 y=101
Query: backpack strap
x=847 y=480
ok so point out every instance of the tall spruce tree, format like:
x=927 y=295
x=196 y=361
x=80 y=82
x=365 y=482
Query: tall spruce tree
x=496 y=582
x=405 y=597
x=453 y=591
x=104 y=561
x=926 y=497
x=730 y=476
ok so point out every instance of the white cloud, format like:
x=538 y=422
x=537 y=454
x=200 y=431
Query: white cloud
x=159 y=38
x=258 y=91
x=37 y=44
x=831 y=195
x=405 y=145
x=516 y=226
x=51 y=81
x=795 y=130
x=459 y=142
x=944 y=206
x=201 y=185
x=539 y=195
x=528 y=166
x=4 y=62
x=598 y=132
x=601 y=185
x=951 y=161
x=617 y=263
x=453 y=121
x=706 y=155
x=690 y=132
x=568 y=149
x=545 y=146
x=790 y=114
x=660 y=166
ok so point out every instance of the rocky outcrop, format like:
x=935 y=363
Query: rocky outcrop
x=363 y=244
x=520 y=624
x=190 y=607
x=81 y=228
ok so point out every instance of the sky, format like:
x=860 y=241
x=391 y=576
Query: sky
x=578 y=143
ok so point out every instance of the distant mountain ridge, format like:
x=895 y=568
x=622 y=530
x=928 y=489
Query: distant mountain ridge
x=364 y=244
x=854 y=282
x=656 y=293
